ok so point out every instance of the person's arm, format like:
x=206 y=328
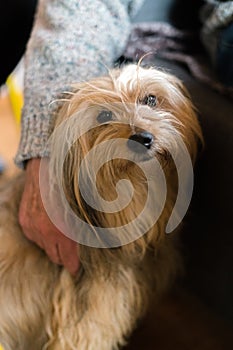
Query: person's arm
x=72 y=40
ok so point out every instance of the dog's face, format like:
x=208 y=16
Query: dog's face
x=124 y=122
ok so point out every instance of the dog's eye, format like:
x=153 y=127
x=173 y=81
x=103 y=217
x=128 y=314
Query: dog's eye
x=104 y=116
x=150 y=101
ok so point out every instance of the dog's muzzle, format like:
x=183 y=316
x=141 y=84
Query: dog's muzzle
x=140 y=142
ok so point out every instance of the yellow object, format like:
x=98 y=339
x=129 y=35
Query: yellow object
x=14 y=84
x=1 y=348
x=16 y=98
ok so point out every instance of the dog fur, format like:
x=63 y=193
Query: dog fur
x=41 y=305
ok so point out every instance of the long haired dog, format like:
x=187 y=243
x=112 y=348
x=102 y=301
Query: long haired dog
x=128 y=127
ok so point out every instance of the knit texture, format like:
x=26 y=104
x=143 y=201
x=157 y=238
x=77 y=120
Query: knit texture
x=71 y=41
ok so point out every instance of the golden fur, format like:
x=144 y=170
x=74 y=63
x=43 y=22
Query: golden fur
x=41 y=305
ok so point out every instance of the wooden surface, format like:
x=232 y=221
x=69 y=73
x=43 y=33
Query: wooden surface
x=180 y=321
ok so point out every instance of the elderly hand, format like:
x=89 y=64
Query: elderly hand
x=37 y=226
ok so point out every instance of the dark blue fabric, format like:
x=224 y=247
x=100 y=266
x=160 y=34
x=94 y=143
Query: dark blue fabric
x=224 y=59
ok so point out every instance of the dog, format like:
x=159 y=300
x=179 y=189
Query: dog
x=41 y=305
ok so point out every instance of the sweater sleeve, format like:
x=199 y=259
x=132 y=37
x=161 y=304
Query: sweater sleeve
x=72 y=40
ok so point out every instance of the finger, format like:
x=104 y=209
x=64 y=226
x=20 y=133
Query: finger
x=34 y=238
x=52 y=250
x=68 y=251
x=51 y=237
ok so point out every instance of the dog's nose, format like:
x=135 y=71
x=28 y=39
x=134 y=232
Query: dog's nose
x=140 y=139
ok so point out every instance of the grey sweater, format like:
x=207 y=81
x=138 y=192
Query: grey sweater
x=72 y=40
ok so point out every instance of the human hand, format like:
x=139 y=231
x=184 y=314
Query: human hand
x=37 y=226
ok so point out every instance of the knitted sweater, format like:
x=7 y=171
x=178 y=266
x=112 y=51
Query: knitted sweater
x=72 y=40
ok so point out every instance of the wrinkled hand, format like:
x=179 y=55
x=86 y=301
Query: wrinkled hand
x=37 y=226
